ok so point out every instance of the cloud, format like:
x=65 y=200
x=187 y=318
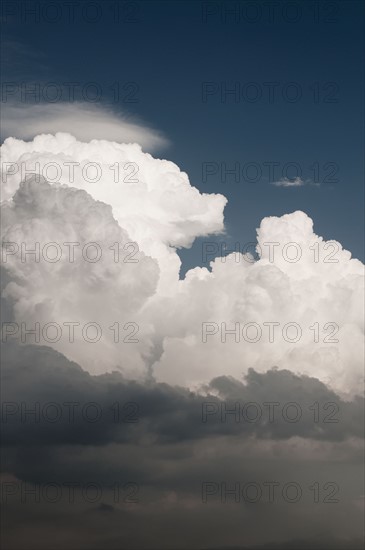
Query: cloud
x=288 y=284
x=86 y=121
x=168 y=454
x=166 y=414
x=150 y=198
x=43 y=213
x=286 y=182
x=213 y=322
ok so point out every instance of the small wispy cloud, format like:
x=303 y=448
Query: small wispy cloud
x=294 y=182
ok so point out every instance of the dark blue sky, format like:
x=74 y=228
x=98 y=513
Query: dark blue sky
x=173 y=48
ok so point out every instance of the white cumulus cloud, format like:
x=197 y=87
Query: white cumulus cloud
x=299 y=280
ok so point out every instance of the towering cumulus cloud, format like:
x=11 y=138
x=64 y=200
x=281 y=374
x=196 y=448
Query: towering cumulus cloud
x=106 y=291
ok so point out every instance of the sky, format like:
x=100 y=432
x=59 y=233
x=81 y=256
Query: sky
x=163 y=54
x=182 y=275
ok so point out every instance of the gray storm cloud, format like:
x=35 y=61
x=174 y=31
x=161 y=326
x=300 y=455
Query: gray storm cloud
x=168 y=453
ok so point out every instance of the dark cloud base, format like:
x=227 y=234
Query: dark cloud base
x=159 y=452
